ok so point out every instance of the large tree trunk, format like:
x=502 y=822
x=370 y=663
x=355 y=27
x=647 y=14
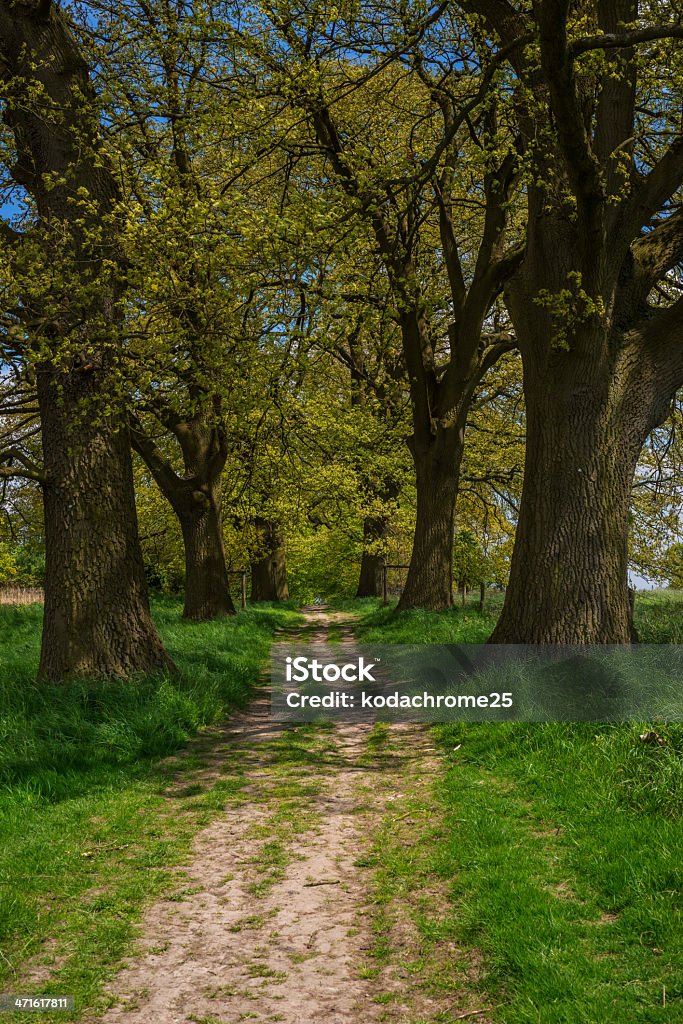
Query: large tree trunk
x=430 y=575
x=593 y=390
x=602 y=360
x=585 y=430
x=97 y=620
x=375 y=530
x=269 y=571
x=375 y=534
x=195 y=498
x=207 y=595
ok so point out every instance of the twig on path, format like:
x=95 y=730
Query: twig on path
x=325 y=881
x=472 y=1013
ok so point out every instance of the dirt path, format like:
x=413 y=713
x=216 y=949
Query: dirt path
x=273 y=919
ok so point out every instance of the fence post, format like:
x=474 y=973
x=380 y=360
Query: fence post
x=482 y=596
x=384 y=585
x=244 y=590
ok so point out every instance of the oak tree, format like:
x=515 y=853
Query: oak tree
x=69 y=282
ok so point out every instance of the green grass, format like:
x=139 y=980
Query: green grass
x=561 y=853
x=565 y=872
x=659 y=616
x=659 y=619
x=465 y=625
x=557 y=848
x=88 y=829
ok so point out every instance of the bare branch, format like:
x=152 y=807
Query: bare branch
x=658 y=251
x=27 y=468
x=161 y=469
x=624 y=40
x=25 y=474
x=494 y=352
x=654 y=190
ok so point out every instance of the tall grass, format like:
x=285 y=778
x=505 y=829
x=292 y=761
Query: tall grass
x=457 y=625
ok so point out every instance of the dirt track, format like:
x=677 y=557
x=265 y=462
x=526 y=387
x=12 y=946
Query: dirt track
x=273 y=921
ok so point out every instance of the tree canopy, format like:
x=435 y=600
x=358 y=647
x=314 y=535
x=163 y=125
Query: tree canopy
x=355 y=283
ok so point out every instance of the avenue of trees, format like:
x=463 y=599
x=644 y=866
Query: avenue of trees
x=312 y=288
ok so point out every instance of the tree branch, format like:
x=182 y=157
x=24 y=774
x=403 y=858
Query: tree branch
x=453 y=121
x=449 y=242
x=494 y=352
x=25 y=474
x=161 y=469
x=660 y=336
x=584 y=169
x=654 y=190
x=658 y=251
x=613 y=136
x=624 y=40
x=29 y=469
x=502 y=19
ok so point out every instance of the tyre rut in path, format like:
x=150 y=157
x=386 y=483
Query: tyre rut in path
x=286 y=945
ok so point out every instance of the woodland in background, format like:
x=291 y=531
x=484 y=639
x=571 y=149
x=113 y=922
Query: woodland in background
x=312 y=289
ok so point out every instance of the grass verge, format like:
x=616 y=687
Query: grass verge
x=557 y=848
x=536 y=887
x=658 y=619
x=380 y=624
x=88 y=831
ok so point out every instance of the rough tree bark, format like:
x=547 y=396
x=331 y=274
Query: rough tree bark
x=570 y=562
x=97 y=619
x=375 y=532
x=601 y=360
x=269 y=570
x=195 y=498
x=429 y=583
x=374 y=388
x=207 y=595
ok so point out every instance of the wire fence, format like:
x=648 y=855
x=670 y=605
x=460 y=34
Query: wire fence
x=21 y=595
x=237 y=581
x=394 y=580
